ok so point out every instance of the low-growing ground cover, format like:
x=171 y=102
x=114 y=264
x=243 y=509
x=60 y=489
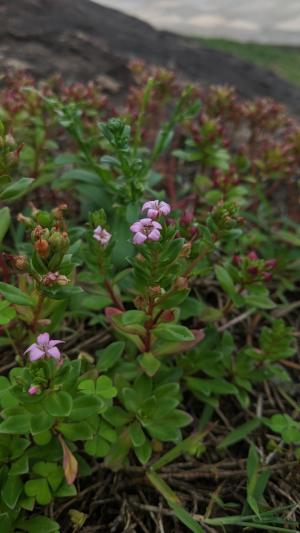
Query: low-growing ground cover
x=149 y=309
x=283 y=60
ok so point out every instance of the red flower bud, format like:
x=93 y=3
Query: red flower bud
x=253 y=271
x=42 y=248
x=236 y=260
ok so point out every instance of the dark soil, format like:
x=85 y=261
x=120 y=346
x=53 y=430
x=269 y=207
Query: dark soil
x=82 y=40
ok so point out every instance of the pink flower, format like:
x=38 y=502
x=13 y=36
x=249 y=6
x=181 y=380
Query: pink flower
x=102 y=235
x=156 y=208
x=44 y=347
x=34 y=389
x=145 y=229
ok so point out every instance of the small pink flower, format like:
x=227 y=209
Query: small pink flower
x=102 y=235
x=156 y=208
x=145 y=229
x=34 y=389
x=44 y=347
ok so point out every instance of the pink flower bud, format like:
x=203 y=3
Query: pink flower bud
x=267 y=276
x=252 y=255
x=270 y=264
x=34 y=389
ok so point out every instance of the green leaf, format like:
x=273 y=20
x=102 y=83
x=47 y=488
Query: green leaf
x=66 y=491
x=133 y=317
x=192 y=308
x=97 y=447
x=4 y=222
x=173 y=332
x=78 y=174
x=15 y=424
x=85 y=406
x=105 y=388
x=259 y=297
x=130 y=399
x=149 y=363
x=15 y=295
x=143 y=452
x=39 y=524
x=41 y=422
x=38 y=489
x=76 y=430
x=58 y=403
x=239 y=433
x=7 y=313
x=225 y=280
x=11 y=491
x=17 y=189
x=174 y=299
x=136 y=434
x=107 y=432
x=174 y=502
x=110 y=355
x=116 y=416
x=41 y=439
x=96 y=302
x=252 y=475
x=20 y=466
x=5 y=523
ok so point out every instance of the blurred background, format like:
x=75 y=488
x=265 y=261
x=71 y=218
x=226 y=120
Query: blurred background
x=266 y=32
x=252 y=45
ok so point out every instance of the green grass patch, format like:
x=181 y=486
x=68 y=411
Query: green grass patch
x=283 y=60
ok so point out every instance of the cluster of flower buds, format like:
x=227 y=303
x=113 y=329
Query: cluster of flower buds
x=206 y=131
x=49 y=242
x=275 y=159
x=54 y=278
x=9 y=152
x=224 y=181
x=221 y=101
x=265 y=114
x=253 y=268
x=224 y=217
x=148 y=229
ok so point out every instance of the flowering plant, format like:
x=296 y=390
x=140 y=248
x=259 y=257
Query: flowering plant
x=148 y=305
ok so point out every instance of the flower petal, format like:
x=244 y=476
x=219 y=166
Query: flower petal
x=139 y=238
x=164 y=208
x=137 y=226
x=54 y=343
x=154 y=235
x=152 y=213
x=156 y=225
x=43 y=338
x=36 y=353
x=152 y=204
x=30 y=348
x=54 y=352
